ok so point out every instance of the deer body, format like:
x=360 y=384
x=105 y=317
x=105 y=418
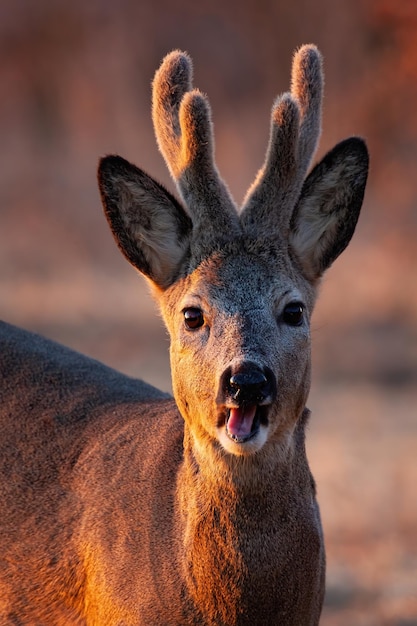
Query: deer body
x=124 y=506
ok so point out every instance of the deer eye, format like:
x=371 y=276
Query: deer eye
x=193 y=318
x=293 y=314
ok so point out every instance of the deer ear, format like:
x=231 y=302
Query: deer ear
x=149 y=225
x=326 y=214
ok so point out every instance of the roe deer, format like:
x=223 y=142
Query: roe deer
x=121 y=505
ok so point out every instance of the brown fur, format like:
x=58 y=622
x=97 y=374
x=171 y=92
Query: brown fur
x=123 y=506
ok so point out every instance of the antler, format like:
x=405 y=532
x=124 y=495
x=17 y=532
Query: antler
x=183 y=129
x=295 y=131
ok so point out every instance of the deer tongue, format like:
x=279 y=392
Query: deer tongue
x=240 y=422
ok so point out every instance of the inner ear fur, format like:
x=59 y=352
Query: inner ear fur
x=327 y=211
x=148 y=223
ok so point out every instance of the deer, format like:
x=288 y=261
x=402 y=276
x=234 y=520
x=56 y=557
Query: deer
x=122 y=505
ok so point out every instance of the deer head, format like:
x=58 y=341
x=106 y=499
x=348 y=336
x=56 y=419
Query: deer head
x=237 y=286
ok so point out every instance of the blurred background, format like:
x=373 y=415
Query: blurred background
x=75 y=85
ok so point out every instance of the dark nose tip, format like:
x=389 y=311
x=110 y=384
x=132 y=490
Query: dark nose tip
x=250 y=385
x=249 y=380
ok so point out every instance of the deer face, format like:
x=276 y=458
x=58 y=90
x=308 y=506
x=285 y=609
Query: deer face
x=240 y=345
x=237 y=287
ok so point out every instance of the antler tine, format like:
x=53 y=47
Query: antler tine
x=307 y=89
x=172 y=80
x=295 y=130
x=272 y=181
x=183 y=128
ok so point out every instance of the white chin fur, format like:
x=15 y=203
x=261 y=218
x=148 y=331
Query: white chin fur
x=246 y=448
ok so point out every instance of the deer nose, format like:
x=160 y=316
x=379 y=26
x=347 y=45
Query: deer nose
x=250 y=385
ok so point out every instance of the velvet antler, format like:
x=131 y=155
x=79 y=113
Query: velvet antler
x=295 y=131
x=183 y=128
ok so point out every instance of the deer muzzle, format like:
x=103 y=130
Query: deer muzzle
x=247 y=393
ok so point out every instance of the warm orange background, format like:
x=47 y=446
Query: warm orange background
x=75 y=85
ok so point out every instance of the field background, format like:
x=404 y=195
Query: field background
x=75 y=83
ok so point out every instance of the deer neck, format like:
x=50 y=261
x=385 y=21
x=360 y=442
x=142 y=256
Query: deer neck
x=229 y=517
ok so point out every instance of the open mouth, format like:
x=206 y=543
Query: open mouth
x=243 y=422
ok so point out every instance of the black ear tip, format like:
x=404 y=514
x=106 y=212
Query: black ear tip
x=352 y=151
x=111 y=163
x=357 y=145
x=113 y=169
